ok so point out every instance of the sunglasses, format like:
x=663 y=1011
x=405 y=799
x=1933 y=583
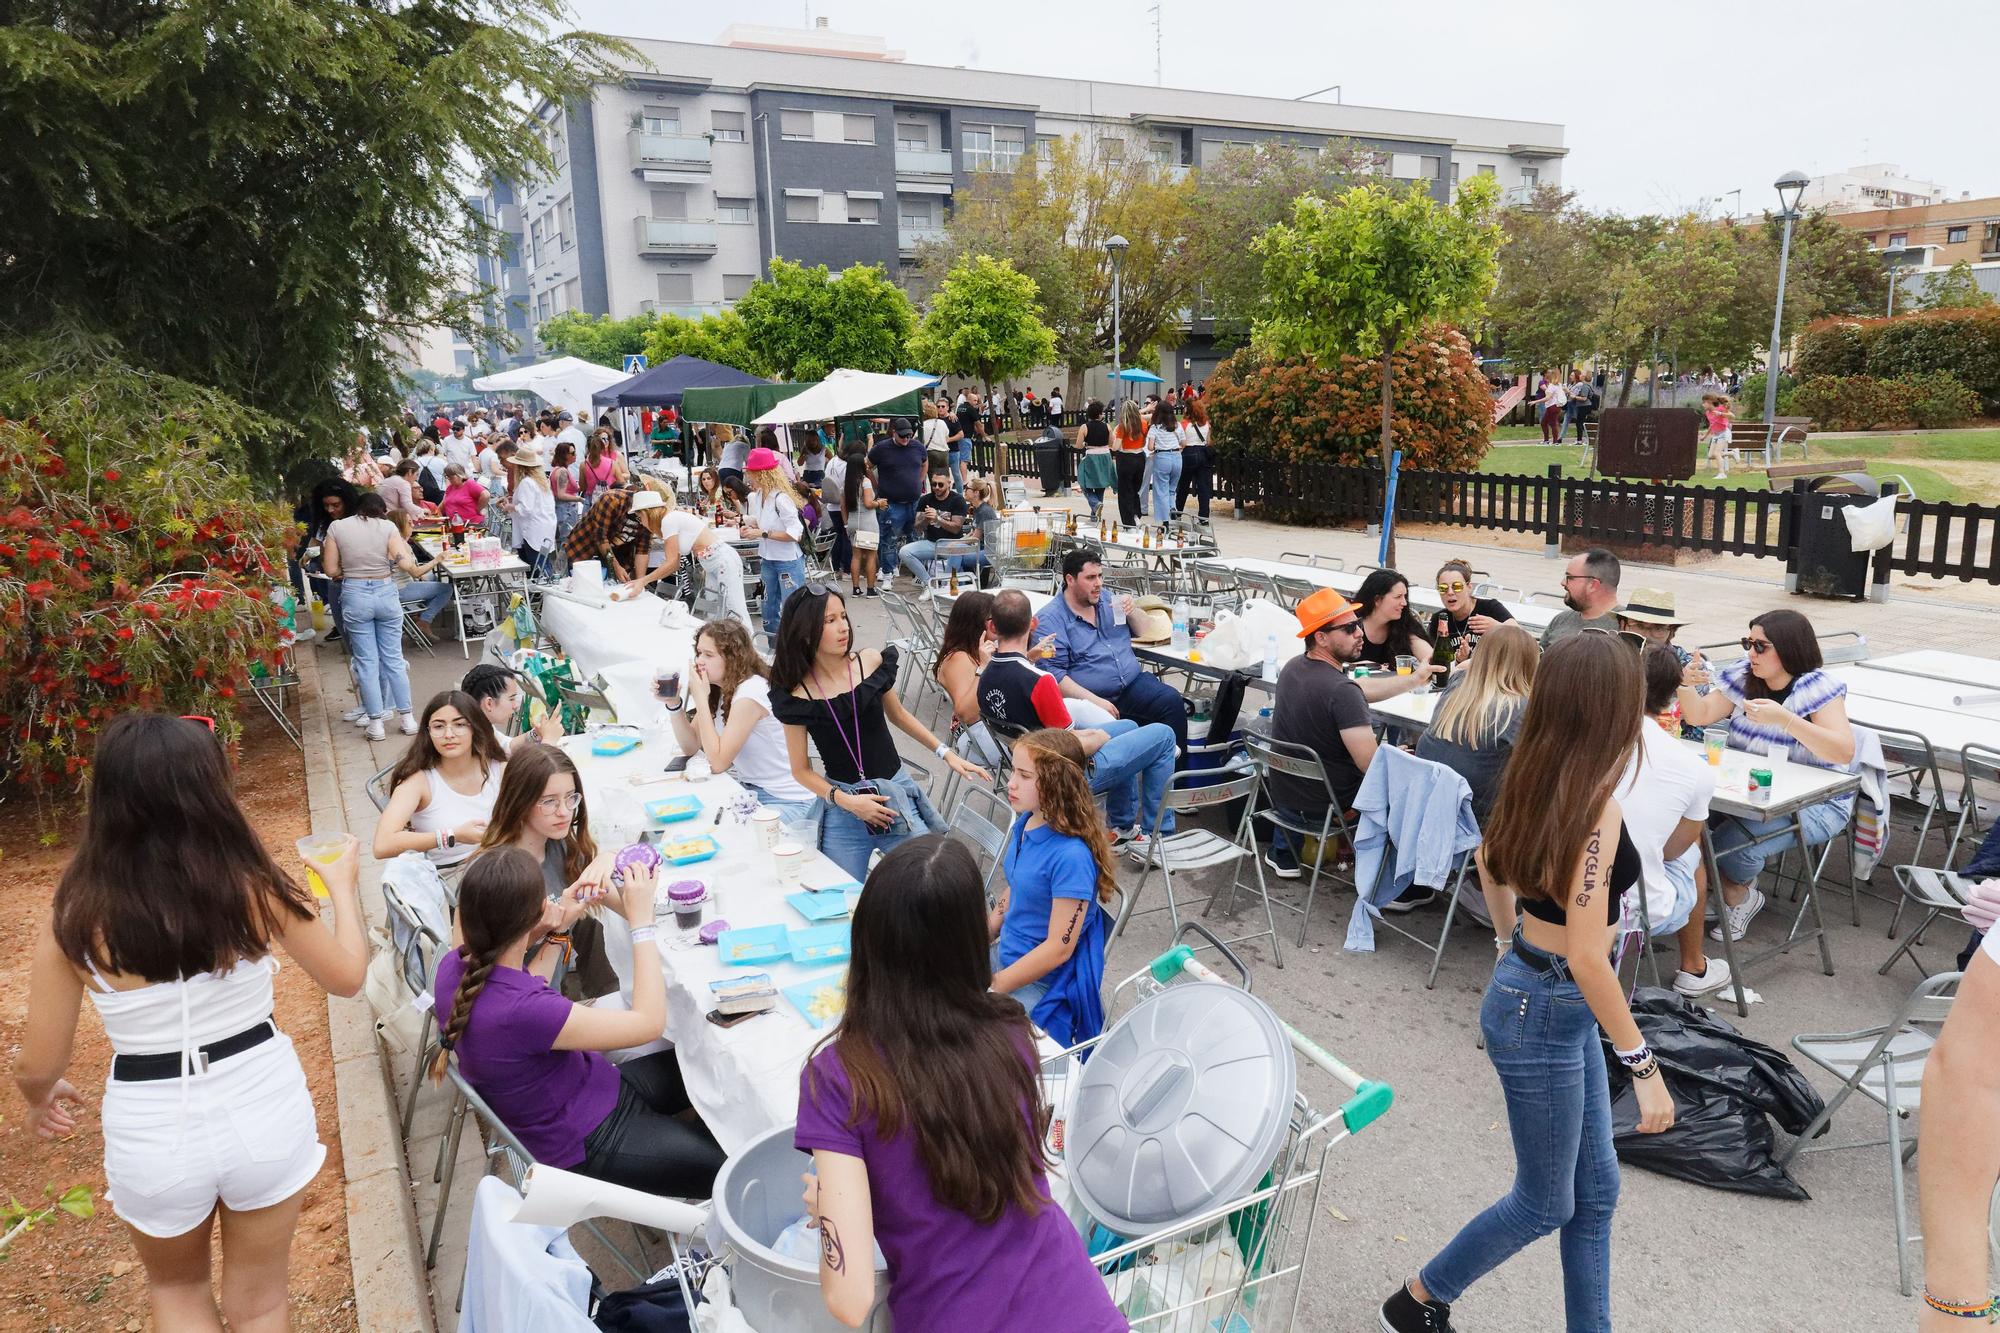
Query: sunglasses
x=1451 y=587
x=1353 y=626
x=1755 y=645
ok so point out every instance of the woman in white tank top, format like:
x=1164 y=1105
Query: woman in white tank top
x=166 y=918
x=442 y=789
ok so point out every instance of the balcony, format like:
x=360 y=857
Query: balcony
x=923 y=162
x=695 y=312
x=679 y=152
x=909 y=237
x=661 y=236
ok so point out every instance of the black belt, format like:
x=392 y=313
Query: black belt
x=1539 y=960
x=167 y=1064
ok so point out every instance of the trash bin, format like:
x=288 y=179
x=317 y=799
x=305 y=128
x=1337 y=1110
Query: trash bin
x=1845 y=483
x=1825 y=564
x=1050 y=446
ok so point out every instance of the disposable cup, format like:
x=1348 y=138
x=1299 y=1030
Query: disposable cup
x=1406 y=665
x=765 y=824
x=322 y=850
x=791 y=863
x=1714 y=740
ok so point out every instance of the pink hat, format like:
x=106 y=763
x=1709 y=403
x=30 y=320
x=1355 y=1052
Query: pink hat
x=760 y=460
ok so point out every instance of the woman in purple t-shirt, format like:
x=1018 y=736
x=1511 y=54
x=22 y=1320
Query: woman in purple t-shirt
x=924 y=1115
x=534 y=1056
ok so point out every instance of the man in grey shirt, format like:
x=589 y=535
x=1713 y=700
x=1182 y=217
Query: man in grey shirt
x=1590 y=591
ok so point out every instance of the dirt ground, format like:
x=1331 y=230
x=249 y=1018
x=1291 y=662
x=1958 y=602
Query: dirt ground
x=76 y=1275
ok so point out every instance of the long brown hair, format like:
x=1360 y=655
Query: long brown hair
x=169 y=880
x=925 y=1043
x=739 y=661
x=1062 y=788
x=499 y=900
x=1582 y=723
x=1791 y=636
x=422 y=756
x=530 y=765
x=964 y=628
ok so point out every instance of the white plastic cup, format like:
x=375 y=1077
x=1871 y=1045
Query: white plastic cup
x=765 y=823
x=790 y=858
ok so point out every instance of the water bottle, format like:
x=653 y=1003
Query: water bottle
x=1180 y=627
x=1271 y=659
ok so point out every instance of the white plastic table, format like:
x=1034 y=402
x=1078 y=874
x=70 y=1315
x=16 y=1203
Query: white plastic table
x=494 y=583
x=1881 y=698
x=1532 y=616
x=1981 y=673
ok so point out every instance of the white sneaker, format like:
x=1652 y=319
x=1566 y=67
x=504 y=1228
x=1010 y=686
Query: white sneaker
x=1713 y=978
x=1739 y=916
x=375 y=732
x=358 y=716
x=408 y=726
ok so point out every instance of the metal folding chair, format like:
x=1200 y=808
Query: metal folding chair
x=987 y=836
x=420 y=935
x=1911 y=759
x=1298 y=761
x=1978 y=764
x=273 y=687
x=1936 y=893
x=413 y=629
x=1198 y=849
x=1436 y=947
x=1886 y=1065
x=1291 y=592
x=377 y=788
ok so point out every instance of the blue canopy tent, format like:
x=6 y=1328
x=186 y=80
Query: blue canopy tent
x=663 y=385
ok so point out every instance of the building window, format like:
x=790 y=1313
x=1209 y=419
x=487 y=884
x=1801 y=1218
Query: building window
x=1956 y=235
x=733 y=210
x=802 y=208
x=538 y=238
x=660 y=120
x=727 y=126
x=1454 y=173
x=1045 y=147
x=1430 y=168
x=558 y=143
x=913 y=137
x=1163 y=152
x=542 y=311
x=914 y=213
x=1111 y=150
x=1488 y=169
x=736 y=286
x=676 y=289
x=669 y=202
x=857 y=129
x=573 y=294
x=1530 y=177
x=795 y=124
x=566 y=223
x=993 y=147
x=864 y=210
x=1898 y=239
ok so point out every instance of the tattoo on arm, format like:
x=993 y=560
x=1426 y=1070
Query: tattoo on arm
x=1592 y=853
x=831 y=1252
x=1075 y=919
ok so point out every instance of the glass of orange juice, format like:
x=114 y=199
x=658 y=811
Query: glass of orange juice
x=322 y=850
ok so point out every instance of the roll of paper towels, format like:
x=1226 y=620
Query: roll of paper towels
x=586 y=579
x=552 y=1197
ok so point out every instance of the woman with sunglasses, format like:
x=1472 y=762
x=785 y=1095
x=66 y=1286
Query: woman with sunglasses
x=1456 y=628
x=845 y=701
x=1780 y=701
x=1388 y=628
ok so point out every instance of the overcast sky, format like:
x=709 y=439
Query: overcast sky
x=1663 y=106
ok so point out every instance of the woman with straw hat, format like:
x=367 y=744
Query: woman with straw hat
x=534 y=508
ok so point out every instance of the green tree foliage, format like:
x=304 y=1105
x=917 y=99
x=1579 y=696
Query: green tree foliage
x=804 y=323
x=721 y=338
x=1663 y=296
x=983 y=322
x=597 y=338
x=1954 y=289
x=1050 y=218
x=1556 y=276
x=1358 y=275
x=265 y=196
x=1862 y=402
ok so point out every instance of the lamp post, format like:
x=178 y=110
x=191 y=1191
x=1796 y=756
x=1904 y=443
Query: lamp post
x=1789 y=187
x=1895 y=258
x=1116 y=246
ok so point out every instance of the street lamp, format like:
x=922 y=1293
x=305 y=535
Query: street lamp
x=1895 y=259
x=1117 y=246
x=1789 y=187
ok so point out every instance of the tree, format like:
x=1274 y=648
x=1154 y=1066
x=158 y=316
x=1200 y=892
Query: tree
x=719 y=338
x=597 y=338
x=1050 y=217
x=803 y=322
x=1360 y=274
x=1553 y=275
x=1831 y=272
x=983 y=322
x=1954 y=289
x=1670 y=295
x=266 y=196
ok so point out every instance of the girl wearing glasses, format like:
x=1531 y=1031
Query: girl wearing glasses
x=1779 y=701
x=443 y=788
x=1457 y=628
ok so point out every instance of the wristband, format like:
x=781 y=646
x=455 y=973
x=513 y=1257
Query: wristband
x=1636 y=1056
x=644 y=934
x=1960 y=1309
x=942 y=751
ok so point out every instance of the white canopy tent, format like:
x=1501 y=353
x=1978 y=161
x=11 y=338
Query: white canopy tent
x=567 y=382
x=843 y=393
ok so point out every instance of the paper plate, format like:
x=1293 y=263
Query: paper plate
x=821 y=1000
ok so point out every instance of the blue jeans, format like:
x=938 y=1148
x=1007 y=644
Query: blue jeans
x=1543 y=1042
x=1739 y=863
x=898 y=525
x=1027 y=996
x=1147 y=698
x=917 y=556
x=432 y=595
x=848 y=842
x=371 y=613
x=1137 y=757
x=781 y=579
x=1166 y=476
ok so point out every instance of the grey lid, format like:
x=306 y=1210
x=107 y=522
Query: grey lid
x=1181 y=1107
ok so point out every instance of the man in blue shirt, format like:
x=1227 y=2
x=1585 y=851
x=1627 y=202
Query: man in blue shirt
x=899 y=479
x=1093 y=650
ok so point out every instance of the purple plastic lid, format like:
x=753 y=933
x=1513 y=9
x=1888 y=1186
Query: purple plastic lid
x=712 y=932
x=639 y=854
x=687 y=893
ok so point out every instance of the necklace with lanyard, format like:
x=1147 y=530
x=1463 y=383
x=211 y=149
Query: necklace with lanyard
x=853 y=747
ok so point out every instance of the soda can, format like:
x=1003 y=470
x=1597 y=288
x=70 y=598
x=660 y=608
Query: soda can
x=1760 y=786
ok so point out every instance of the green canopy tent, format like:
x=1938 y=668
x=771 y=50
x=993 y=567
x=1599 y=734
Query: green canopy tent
x=742 y=404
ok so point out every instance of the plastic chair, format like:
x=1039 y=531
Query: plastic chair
x=1886 y=1065
x=1298 y=761
x=987 y=836
x=1198 y=849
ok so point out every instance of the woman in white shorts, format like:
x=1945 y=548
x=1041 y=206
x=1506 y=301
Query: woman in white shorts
x=166 y=918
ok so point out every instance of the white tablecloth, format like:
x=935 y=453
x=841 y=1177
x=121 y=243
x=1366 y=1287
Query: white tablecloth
x=626 y=643
x=743 y=1080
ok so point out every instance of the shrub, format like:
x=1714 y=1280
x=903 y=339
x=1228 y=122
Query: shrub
x=1962 y=343
x=1830 y=347
x=135 y=564
x=1750 y=398
x=1293 y=408
x=1938 y=399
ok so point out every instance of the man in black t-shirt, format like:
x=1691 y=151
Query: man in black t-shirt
x=968 y=429
x=941 y=517
x=1318 y=705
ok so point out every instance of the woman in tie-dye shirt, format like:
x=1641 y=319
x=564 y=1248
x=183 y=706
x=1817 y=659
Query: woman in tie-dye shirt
x=1779 y=701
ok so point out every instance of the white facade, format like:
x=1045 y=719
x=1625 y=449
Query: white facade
x=1872 y=185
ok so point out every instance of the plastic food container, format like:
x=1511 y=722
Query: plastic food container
x=821 y=944
x=755 y=945
x=673 y=809
x=687 y=851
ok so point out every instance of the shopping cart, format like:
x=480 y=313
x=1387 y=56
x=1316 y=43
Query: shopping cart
x=1235 y=1267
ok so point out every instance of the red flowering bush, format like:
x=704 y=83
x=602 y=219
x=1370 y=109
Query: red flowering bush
x=136 y=565
x=1297 y=410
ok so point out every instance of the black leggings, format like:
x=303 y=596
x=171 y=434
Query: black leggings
x=1197 y=475
x=642 y=1144
x=1131 y=465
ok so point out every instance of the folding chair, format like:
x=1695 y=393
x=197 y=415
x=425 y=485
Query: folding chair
x=588 y=698
x=987 y=835
x=1937 y=893
x=1886 y=1065
x=273 y=689
x=1910 y=758
x=1487 y=588
x=420 y=931
x=413 y=629
x=1298 y=761
x=1292 y=591
x=1464 y=864
x=1198 y=849
x=1979 y=763
x=377 y=788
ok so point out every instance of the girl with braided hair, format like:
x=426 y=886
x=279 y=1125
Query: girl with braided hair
x=537 y=1059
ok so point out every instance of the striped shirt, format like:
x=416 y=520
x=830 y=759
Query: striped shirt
x=1809 y=693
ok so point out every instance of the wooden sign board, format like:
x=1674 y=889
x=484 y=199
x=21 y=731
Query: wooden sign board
x=1658 y=443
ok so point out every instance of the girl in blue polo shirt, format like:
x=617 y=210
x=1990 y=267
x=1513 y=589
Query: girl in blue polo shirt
x=1049 y=926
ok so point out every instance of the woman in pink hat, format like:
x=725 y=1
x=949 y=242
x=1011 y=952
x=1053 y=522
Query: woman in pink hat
x=772 y=517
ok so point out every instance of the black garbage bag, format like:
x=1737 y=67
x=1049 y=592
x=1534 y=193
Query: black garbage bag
x=1726 y=1088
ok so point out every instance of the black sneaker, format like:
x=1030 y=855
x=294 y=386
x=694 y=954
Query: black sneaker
x=1404 y=1313
x=1412 y=898
x=1282 y=862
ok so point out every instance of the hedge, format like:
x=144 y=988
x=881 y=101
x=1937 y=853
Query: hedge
x=1964 y=344
x=1863 y=402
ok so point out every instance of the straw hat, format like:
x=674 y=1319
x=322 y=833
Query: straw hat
x=528 y=456
x=644 y=500
x=1151 y=621
x=1653 y=606
x=1321 y=609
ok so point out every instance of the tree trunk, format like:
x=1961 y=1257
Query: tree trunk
x=1625 y=388
x=1388 y=452
x=1074 y=393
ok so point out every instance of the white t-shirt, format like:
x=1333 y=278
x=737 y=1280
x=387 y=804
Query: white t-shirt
x=573 y=435
x=764 y=761
x=1666 y=783
x=477 y=429
x=833 y=484
x=457 y=449
x=684 y=524
x=1555 y=395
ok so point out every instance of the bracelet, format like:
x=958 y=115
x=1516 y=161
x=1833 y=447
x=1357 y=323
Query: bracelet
x=1647 y=1068
x=1635 y=1057
x=644 y=934
x=942 y=751
x=441 y=833
x=1961 y=1309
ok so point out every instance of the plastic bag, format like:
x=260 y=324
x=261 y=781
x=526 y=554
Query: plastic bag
x=1872 y=526
x=1239 y=637
x=1726 y=1089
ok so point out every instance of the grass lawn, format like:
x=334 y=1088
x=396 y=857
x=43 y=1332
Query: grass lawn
x=1962 y=465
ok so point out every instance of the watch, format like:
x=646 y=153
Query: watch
x=450 y=839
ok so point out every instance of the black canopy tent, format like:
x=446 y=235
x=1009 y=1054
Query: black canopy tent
x=663 y=385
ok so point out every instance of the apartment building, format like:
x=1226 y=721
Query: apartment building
x=1935 y=235
x=675 y=186
x=1869 y=186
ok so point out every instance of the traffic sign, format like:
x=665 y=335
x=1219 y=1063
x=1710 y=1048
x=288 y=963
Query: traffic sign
x=635 y=362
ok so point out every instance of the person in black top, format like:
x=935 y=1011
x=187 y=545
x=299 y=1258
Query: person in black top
x=941 y=517
x=1388 y=630
x=967 y=430
x=844 y=701
x=1455 y=629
